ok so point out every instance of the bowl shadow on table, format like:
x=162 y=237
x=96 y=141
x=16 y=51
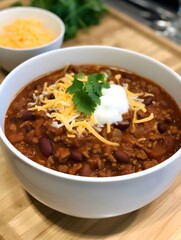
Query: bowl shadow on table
x=88 y=227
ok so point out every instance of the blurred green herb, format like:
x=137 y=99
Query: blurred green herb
x=75 y=14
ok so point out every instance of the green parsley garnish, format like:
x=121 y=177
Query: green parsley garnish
x=86 y=95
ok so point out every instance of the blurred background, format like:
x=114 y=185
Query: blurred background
x=163 y=16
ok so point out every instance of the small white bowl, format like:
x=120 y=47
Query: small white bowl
x=11 y=57
x=79 y=196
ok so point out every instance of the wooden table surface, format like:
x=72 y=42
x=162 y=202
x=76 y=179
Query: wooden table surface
x=23 y=217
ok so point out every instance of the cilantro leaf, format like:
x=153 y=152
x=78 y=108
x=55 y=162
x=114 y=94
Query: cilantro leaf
x=86 y=95
x=93 y=83
x=77 y=85
x=104 y=83
x=84 y=103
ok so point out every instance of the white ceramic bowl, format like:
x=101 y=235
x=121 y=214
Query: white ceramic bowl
x=86 y=196
x=10 y=57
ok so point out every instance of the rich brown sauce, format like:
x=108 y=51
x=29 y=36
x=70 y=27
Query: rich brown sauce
x=141 y=146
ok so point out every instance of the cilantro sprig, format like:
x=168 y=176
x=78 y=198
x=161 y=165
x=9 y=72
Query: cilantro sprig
x=86 y=95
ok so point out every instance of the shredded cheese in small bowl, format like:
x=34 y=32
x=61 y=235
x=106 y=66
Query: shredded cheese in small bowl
x=25 y=33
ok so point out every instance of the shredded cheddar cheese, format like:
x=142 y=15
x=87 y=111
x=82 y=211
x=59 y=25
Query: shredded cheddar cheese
x=25 y=33
x=108 y=128
x=65 y=113
x=90 y=129
x=60 y=108
x=141 y=139
x=135 y=120
x=118 y=77
x=137 y=104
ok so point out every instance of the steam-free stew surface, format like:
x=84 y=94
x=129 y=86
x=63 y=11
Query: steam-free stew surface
x=141 y=144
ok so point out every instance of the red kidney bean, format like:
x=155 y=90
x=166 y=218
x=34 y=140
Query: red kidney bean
x=148 y=100
x=121 y=156
x=27 y=115
x=45 y=146
x=76 y=156
x=122 y=125
x=162 y=127
x=85 y=170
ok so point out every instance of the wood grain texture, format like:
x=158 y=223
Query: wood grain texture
x=24 y=218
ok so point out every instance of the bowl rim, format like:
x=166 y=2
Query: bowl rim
x=76 y=178
x=32 y=9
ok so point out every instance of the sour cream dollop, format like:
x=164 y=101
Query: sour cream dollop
x=114 y=103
